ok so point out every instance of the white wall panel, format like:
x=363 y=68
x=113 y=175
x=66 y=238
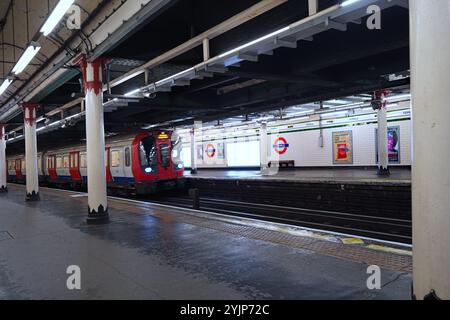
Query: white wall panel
x=305 y=150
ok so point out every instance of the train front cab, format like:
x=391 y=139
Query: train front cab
x=154 y=167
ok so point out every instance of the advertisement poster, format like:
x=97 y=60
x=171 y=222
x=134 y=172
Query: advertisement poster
x=393 y=144
x=342 y=147
x=200 y=152
x=221 y=150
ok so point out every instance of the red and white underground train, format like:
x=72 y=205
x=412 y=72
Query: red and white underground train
x=143 y=164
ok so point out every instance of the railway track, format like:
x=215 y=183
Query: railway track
x=388 y=229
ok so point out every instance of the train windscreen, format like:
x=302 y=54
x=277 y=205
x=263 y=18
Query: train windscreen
x=176 y=151
x=148 y=155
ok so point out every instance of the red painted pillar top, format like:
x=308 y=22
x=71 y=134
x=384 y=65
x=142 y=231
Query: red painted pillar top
x=92 y=72
x=29 y=113
x=379 y=97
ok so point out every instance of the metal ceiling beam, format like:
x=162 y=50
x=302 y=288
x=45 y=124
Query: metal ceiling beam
x=235 y=21
x=335 y=17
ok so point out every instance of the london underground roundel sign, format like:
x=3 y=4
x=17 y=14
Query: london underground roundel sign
x=281 y=145
x=210 y=150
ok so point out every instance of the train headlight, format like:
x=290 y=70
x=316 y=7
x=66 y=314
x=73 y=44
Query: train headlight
x=180 y=166
x=148 y=170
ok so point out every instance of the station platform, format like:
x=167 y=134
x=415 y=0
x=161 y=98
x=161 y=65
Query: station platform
x=150 y=251
x=399 y=175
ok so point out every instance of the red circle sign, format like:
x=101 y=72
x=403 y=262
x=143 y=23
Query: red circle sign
x=210 y=150
x=281 y=145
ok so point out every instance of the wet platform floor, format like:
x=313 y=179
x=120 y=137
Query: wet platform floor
x=154 y=252
x=355 y=175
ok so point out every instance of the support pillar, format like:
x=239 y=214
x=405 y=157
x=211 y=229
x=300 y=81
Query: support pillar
x=193 y=152
x=31 y=162
x=264 y=156
x=95 y=140
x=3 y=185
x=382 y=132
x=430 y=76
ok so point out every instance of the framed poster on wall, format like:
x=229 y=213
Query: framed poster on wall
x=221 y=150
x=393 y=143
x=200 y=151
x=343 y=147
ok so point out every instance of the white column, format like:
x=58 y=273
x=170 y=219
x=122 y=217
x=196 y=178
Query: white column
x=193 y=152
x=264 y=156
x=95 y=141
x=31 y=163
x=430 y=72
x=3 y=185
x=383 y=158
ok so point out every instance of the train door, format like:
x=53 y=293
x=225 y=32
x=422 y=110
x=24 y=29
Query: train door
x=51 y=168
x=165 y=166
x=19 y=175
x=108 y=165
x=74 y=166
x=117 y=164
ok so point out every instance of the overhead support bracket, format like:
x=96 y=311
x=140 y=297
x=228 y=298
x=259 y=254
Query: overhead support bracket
x=331 y=24
x=181 y=82
x=216 y=69
x=286 y=42
x=248 y=56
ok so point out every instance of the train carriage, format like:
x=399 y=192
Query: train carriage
x=144 y=163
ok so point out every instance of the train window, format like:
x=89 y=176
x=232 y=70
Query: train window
x=66 y=161
x=127 y=157
x=39 y=164
x=23 y=165
x=147 y=153
x=164 y=151
x=59 y=162
x=83 y=160
x=115 y=158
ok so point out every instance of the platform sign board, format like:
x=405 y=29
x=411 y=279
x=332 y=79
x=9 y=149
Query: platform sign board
x=210 y=150
x=343 y=147
x=393 y=143
x=280 y=145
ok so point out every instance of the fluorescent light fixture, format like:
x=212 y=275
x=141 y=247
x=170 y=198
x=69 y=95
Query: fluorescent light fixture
x=348 y=2
x=5 y=85
x=132 y=93
x=26 y=57
x=56 y=16
x=399 y=97
x=267 y=36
